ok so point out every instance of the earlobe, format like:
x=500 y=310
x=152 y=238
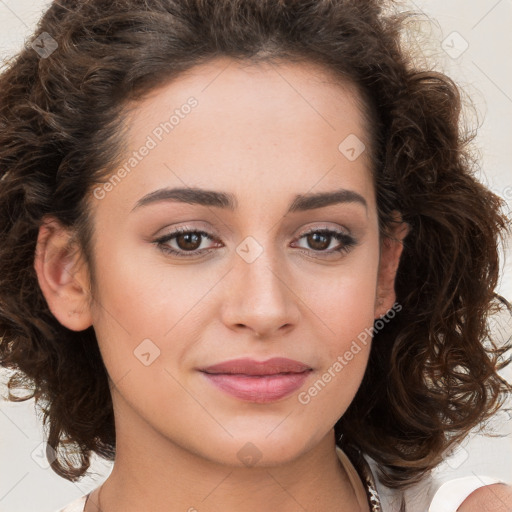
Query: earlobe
x=62 y=276
x=391 y=250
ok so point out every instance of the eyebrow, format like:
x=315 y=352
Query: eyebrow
x=301 y=202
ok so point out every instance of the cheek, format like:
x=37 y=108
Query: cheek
x=344 y=300
x=345 y=305
x=347 y=311
x=141 y=296
x=173 y=306
x=142 y=293
x=140 y=299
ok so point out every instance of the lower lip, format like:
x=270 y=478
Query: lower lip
x=264 y=389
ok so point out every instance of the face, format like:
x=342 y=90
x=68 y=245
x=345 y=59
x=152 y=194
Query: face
x=270 y=250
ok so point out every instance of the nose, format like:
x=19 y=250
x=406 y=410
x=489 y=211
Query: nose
x=259 y=297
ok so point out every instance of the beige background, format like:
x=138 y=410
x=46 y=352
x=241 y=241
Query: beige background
x=469 y=40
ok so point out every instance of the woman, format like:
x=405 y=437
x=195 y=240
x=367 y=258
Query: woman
x=243 y=250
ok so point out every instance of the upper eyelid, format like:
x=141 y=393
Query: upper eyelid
x=171 y=235
x=348 y=241
x=191 y=229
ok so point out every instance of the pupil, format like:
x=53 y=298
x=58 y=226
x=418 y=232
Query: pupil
x=191 y=240
x=316 y=238
x=318 y=241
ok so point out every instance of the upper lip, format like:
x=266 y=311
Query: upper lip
x=247 y=366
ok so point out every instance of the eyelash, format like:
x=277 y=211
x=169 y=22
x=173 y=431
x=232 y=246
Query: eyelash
x=347 y=242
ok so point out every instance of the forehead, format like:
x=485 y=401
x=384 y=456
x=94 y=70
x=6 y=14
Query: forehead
x=265 y=126
x=258 y=91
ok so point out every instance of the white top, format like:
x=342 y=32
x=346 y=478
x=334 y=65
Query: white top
x=79 y=504
x=448 y=498
x=450 y=484
x=480 y=460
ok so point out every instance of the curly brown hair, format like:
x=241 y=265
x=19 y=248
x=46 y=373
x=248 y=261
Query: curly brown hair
x=432 y=374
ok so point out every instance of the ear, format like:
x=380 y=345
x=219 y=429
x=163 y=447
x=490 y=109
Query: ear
x=62 y=276
x=390 y=252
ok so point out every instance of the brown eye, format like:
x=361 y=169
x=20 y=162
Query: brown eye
x=188 y=241
x=184 y=243
x=319 y=240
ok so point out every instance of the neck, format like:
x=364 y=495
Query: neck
x=153 y=473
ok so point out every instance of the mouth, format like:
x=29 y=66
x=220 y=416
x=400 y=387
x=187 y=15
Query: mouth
x=258 y=381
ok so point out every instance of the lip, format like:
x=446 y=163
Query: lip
x=258 y=381
x=248 y=366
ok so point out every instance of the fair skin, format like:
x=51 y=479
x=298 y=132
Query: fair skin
x=490 y=498
x=253 y=136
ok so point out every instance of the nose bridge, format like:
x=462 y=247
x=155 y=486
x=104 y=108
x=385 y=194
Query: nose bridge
x=258 y=295
x=258 y=266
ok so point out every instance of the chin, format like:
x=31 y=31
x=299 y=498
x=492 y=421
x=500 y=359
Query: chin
x=259 y=449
